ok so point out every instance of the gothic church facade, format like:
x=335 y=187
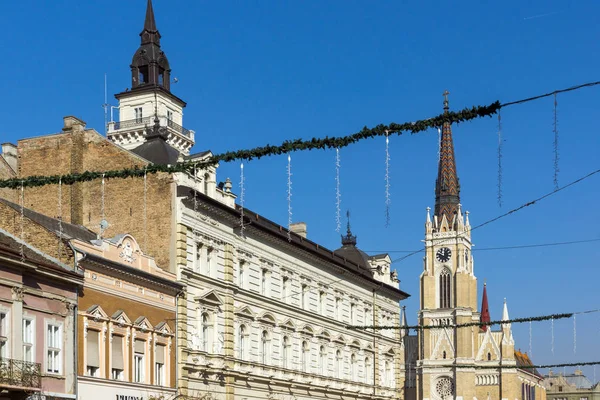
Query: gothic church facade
x=450 y=362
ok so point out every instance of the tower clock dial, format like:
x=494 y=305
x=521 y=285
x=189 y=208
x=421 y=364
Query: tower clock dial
x=443 y=254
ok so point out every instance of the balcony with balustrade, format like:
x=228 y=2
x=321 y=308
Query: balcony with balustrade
x=131 y=133
x=17 y=375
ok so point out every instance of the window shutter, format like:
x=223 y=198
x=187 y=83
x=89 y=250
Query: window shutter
x=139 y=346
x=93 y=359
x=160 y=354
x=117 y=352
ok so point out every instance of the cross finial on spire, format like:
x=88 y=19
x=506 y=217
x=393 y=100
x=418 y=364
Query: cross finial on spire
x=445 y=94
x=348 y=216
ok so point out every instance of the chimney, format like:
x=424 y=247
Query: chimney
x=73 y=124
x=299 y=228
x=9 y=153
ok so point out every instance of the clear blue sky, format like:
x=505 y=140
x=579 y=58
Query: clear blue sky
x=257 y=72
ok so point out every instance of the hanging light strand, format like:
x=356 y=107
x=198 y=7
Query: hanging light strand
x=242 y=190
x=289 y=196
x=60 y=227
x=22 y=206
x=195 y=186
x=530 y=334
x=388 y=200
x=338 y=194
x=499 y=159
x=574 y=334
x=145 y=212
x=552 y=326
x=556 y=155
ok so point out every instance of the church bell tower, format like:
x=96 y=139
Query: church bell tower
x=150 y=102
x=448 y=287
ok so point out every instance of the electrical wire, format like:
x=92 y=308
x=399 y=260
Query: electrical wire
x=524 y=246
x=514 y=210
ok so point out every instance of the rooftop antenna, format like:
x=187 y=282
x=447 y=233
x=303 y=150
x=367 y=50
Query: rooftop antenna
x=105 y=106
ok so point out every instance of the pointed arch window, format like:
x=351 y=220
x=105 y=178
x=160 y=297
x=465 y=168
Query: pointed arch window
x=445 y=288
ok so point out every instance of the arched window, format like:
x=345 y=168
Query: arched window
x=205 y=331
x=444 y=355
x=368 y=371
x=323 y=360
x=305 y=356
x=206 y=177
x=339 y=365
x=242 y=342
x=264 y=341
x=489 y=356
x=353 y=367
x=286 y=350
x=445 y=287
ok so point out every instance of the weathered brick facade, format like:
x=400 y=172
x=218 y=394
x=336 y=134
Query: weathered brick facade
x=77 y=149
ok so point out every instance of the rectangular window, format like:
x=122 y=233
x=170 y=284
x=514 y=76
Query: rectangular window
x=322 y=297
x=28 y=337
x=3 y=335
x=93 y=353
x=303 y=302
x=263 y=282
x=241 y=274
x=159 y=365
x=338 y=308
x=117 y=358
x=169 y=115
x=138 y=361
x=199 y=250
x=285 y=287
x=352 y=313
x=209 y=260
x=138 y=114
x=53 y=347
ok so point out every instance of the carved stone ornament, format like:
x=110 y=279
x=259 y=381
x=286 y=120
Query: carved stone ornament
x=127 y=253
x=17 y=293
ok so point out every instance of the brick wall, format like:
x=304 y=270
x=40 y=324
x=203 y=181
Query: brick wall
x=34 y=234
x=76 y=150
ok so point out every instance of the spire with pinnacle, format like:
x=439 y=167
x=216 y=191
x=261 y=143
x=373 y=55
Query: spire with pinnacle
x=485 y=310
x=447 y=188
x=349 y=239
x=150 y=67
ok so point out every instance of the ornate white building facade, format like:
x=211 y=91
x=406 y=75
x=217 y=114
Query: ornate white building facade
x=264 y=314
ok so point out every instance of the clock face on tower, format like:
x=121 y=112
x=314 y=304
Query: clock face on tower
x=443 y=254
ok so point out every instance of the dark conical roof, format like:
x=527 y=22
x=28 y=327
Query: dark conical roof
x=156 y=149
x=350 y=252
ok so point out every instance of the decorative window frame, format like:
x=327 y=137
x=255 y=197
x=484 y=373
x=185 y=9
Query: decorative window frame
x=6 y=335
x=142 y=330
x=96 y=319
x=163 y=335
x=29 y=317
x=121 y=326
x=61 y=358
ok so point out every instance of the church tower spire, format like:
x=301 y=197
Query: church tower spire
x=447 y=187
x=150 y=104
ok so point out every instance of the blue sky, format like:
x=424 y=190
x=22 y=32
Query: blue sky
x=257 y=72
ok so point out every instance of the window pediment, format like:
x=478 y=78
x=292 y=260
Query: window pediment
x=209 y=297
x=96 y=313
x=143 y=324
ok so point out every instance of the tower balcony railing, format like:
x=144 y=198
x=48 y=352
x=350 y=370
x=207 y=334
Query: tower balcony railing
x=21 y=374
x=148 y=121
